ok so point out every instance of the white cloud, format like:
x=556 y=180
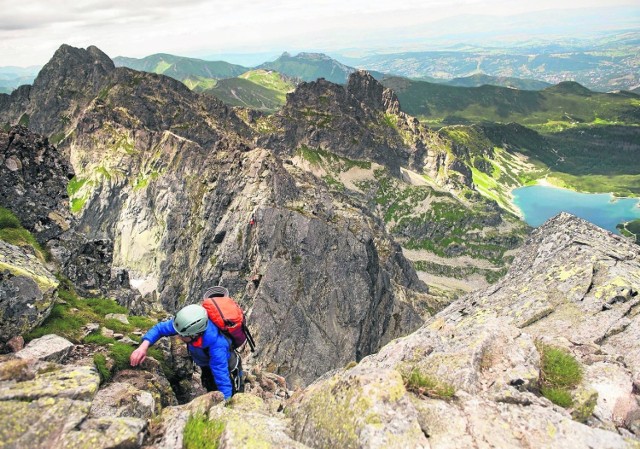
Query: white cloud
x=33 y=29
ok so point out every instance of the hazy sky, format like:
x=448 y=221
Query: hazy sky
x=31 y=30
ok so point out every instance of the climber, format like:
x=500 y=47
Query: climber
x=208 y=347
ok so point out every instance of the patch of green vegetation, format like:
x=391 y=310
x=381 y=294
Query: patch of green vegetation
x=74 y=185
x=558 y=396
x=620 y=185
x=318 y=156
x=102 y=306
x=269 y=79
x=311 y=156
x=459 y=272
x=141 y=322
x=403 y=203
x=61 y=321
x=8 y=219
x=56 y=138
x=11 y=231
x=73 y=188
x=120 y=353
x=391 y=121
x=69 y=316
x=100 y=361
x=117 y=325
x=104 y=172
x=98 y=339
x=334 y=183
x=162 y=67
x=427 y=385
x=201 y=432
x=559 y=373
x=200 y=83
x=421 y=217
x=140 y=183
x=142 y=180
x=77 y=204
x=24 y=120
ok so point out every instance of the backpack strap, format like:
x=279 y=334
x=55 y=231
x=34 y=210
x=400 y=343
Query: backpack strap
x=252 y=343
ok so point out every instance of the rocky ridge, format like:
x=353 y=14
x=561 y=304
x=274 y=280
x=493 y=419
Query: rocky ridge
x=573 y=286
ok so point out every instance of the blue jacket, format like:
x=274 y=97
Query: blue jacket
x=212 y=349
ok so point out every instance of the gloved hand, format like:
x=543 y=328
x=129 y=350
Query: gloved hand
x=138 y=356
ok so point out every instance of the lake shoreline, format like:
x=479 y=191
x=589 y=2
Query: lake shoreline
x=543 y=200
x=544 y=182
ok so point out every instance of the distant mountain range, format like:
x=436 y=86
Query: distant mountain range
x=311 y=66
x=608 y=63
x=604 y=64
x=11 y=77
x=180 y=68
x=568 y=102
x=265 y=88
x=480 y=79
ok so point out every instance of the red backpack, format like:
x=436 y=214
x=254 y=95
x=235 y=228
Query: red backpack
x=228 y=316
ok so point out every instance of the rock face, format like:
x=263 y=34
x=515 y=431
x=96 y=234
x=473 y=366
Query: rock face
x=33 y=183
x=329 y=289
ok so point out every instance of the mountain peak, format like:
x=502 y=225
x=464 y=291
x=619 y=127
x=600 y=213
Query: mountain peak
x=569 y=87
x=366 y=88
x=74 y=63
x=72 y=76
x=313 y=56
x=72 y=55
x=310 y=67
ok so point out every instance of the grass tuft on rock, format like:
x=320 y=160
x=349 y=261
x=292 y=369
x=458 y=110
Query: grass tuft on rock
x=202 y=433
x=11 y=231
x=423 y=384
x=558 y=396
x=559 y=373
x=101 y=365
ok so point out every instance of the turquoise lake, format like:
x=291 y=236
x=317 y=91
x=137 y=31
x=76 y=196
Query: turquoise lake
x=539 y=203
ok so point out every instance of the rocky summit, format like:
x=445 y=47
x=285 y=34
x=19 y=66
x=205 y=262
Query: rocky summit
x=336 y=223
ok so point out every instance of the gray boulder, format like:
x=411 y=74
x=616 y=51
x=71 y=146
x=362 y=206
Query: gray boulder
x=123 y=400
x=51 y=348
x=27 y=291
